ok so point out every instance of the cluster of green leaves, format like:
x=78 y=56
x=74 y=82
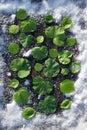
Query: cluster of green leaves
x=48 y=61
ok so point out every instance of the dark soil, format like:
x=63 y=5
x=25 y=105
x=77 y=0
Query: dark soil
x=55 y=81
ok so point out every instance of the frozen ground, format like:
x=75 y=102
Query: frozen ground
x=76 y=117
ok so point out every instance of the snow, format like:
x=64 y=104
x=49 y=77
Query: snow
x=76 y=117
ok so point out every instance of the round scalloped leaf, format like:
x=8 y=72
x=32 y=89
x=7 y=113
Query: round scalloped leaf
x=20 y=64
x=29 y=25
x=52 y=68
x=66 y=104
x=53 y=52
x=38 y=67
x=23 y=73
x=39 y=53
x=66 y=23
x=71 y=41
x=64 y=71
x=40 y=39
x=14 y=29
x=28 y=113
x=75 y=67
x=53 y=31
x=13 y=48
x=41 y=86
x=21 y=14
x=14 y=83
x=67 y=86
x=48 y=105
x=26 y=40
x=48 y=19
x=64 y=57
x=21 y=96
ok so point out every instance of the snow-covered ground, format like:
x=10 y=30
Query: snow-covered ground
x=76 y=117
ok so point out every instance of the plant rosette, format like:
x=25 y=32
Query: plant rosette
x=40 y=39
x=13 y=29
x=21 y=14
x=38 y=67
x=14 y=83
x=48 y=105
x=48 y=19
x=13 y=48
x=66 y=23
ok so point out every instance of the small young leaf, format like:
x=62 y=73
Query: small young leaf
x=66 y=23
x=14 y=83
x=28 y=113
x=67 y=86
x=23 y=73
x=64 y=71
x=13 y=29
x=75 y=67
x=21 y=96
x=66 y=104
x=49 y=19
x=38 y=67
x=71 y=41
x=21 y=14
x=53 y=53
x=48 y=105
x=13 y=48
x=40 y=39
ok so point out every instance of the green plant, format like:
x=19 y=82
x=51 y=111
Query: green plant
x=71 y=41
x=75 y=67
x=21 y=14
x=28 y=113
x=53 y=31
x=14 y=29
x=66 y=23
x=40 y=39
x=26 y=40
x=41 y=86
x=53 y=52
x=22 y=66
x=38 y=67
x=48 y=105
x=52 y=68
x=67 y=86
x=64 y=57
x=13 y=48
x=29 y=25
x=49 y=19
x=14 y=83
x=21 y=96
x=64 y=71
x=66 y=104
x=40 y=53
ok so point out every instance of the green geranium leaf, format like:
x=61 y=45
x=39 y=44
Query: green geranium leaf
x=75 y=67
x=40 y=39
x=14 y=83
x=53 y=31
x=26 y=40
x=13 y=48
x=52 y=68
x=21 y=96
x=66 y=104
x=59 y=40
x=38 y=67
x=22 y=66
x=64 y=56
x=49 y=19
x=66 y=23
x=48 y=105
x=21 y=14
x=64 y=71
x=29 y=25
x=71 y=41
x=53 y=53
x=14 y=29
x=40 y=53
x=41 y=86
x=67 y=86
x=28 y=113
